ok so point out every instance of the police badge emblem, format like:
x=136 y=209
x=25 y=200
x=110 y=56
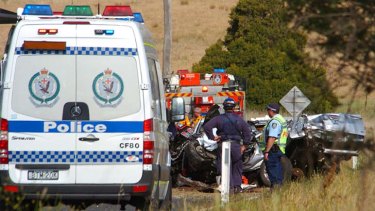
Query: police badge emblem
x=108 y=87
x=44 y=87
x=274 y=125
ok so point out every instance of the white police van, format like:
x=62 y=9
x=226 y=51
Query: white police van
x=82 y=108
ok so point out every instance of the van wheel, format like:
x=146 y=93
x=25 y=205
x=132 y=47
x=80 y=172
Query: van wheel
x=141 y=203
x=166 y=204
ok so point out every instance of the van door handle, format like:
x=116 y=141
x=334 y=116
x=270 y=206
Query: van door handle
x=89 y=138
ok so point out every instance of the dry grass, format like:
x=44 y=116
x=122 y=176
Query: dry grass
x=349 y=190
x=196 y=25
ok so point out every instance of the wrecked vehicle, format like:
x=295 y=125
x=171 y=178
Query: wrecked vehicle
x=194 y=156
x=318 y=142
x=315 y=143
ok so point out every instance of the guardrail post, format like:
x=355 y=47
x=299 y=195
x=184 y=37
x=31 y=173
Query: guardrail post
x=355 y=162
x=225 y=172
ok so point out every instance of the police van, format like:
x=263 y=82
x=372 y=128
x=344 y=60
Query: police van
x=82 y=108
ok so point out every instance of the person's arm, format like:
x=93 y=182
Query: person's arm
x=209 y=126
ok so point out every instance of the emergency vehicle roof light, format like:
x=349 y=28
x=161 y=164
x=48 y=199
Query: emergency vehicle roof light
x=75 y=10
x=204 y=89
x=219 y=70
x=138 y=17
x=117 y=11
x=37 y=9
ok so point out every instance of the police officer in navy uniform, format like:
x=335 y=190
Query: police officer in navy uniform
x=275 y=136
x=230 y=127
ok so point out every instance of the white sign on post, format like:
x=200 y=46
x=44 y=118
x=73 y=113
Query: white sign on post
x=295 y=102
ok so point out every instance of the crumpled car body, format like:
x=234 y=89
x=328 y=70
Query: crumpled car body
x=336 y=131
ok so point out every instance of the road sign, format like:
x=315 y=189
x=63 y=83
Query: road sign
x=295 y=102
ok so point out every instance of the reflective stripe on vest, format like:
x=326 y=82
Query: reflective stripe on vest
x=281 y=141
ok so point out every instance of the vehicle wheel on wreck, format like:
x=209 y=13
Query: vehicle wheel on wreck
x=201 y=163
x=287 y=171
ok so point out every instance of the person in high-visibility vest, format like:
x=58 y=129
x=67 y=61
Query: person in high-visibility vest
x=197 y=117
x=186 y=121
x=275 y=136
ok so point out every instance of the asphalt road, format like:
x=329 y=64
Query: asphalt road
x=183 y=198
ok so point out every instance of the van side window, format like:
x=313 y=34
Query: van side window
x=155 y=88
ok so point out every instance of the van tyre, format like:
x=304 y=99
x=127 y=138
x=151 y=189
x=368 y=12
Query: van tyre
x=141 y=203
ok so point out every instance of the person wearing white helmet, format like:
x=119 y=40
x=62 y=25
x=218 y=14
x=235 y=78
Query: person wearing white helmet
x=230 y=127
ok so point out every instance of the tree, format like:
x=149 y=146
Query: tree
x=348 y=28
x=260 y=47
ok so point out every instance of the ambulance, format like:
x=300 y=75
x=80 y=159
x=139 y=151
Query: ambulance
x=82 y=108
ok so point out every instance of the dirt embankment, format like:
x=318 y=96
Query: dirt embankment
x=196 y=24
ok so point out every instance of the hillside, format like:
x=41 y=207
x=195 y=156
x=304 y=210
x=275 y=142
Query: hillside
x=196 y=24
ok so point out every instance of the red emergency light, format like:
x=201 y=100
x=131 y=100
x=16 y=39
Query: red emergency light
x=117 y=11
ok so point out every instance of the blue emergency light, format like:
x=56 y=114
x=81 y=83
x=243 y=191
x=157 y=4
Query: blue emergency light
x=109 y=32
x=219 y=70
x=104 y=31
x=138 y=17
x=37 y=9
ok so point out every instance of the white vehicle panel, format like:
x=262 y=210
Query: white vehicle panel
x=110 y=85
x=123 y=36
x=66 y=33
x=41 y=86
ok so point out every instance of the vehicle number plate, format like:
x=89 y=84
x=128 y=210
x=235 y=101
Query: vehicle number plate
x=43 y=175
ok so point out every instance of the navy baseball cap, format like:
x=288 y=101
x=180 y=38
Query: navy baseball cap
x=273 y=107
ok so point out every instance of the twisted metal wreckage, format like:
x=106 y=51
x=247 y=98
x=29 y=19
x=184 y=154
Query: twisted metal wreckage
x=315 y=143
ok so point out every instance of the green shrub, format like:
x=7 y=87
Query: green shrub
x=261 y=48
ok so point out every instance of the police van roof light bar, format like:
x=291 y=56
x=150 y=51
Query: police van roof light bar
x=138 y=17
x=77 y=10
x=37 y=9
x=117 y=11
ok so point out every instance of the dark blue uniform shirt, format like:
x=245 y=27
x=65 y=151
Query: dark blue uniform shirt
x=229 y=126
